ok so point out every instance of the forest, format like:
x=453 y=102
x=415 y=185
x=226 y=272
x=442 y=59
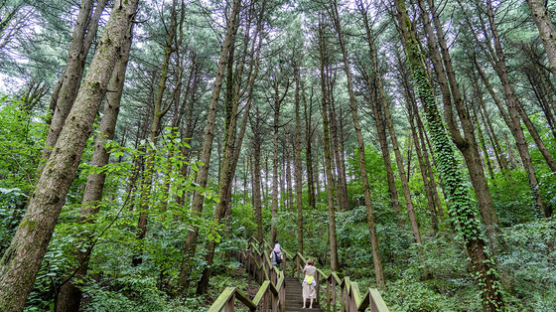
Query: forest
x=150 y=151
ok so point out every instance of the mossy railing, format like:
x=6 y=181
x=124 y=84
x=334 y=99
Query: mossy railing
x=271 y=294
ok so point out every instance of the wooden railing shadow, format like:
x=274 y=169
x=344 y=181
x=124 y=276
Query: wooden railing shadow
x=271 y=295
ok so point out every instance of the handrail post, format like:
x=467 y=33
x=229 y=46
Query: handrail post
x=334 y=294
x=274 y=302
x=297 y=268
x=230 y=304
x=372 y=303
x=318 y=287
x=343 y=300
x=284 y=261
x=266 y=302
x=328 y=294
x=283 y=296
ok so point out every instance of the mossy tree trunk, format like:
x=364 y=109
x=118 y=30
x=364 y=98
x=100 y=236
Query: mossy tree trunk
x=65 y=93
x=453 y=100
x=464 y=216
x=22 y=260
x=69 y=295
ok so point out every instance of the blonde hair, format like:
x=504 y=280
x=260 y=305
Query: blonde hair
x=310 y=262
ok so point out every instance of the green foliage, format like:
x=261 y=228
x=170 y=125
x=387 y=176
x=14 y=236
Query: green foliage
x=529 y=264
x=21 y=141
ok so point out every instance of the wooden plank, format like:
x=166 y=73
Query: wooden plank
x=230 y=304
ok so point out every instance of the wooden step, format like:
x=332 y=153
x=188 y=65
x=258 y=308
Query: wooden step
x=294 y=297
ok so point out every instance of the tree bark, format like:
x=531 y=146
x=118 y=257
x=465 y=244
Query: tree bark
x=22 y=260
x=69 y=295
x=546 y=31
x=62 y=100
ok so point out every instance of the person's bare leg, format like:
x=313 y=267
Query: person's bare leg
x=304 y=301
x=310 y=303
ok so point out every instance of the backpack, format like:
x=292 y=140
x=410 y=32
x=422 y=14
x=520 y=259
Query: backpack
x=277 y=256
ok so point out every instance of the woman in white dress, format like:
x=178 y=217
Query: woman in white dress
x=309 y=283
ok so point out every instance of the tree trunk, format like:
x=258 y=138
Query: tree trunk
x=257 y=188
x=62 y=100
x=461 y=209
x=288 y=171
x=158 y=113
x=334 y=265
x=399 y=162
x=546 y=31
x=500 y=157
x=410 y=96
x=22 y=260
x=297 y=163
x=377 y=262
x=202 y=176
x=69 y=296
x=231 y=151
x=337 y=151
x=467 y=143
x=308 y=147
x=422 y=165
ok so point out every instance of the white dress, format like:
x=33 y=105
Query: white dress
x=309 y=288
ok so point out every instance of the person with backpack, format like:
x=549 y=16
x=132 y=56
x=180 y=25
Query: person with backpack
x=276 y=255
x=309 y=283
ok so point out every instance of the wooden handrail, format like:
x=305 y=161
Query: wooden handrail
x=271 y=294
x=351 y=299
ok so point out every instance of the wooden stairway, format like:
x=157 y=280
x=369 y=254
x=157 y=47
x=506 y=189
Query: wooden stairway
x=294 y=297
x=281 y=293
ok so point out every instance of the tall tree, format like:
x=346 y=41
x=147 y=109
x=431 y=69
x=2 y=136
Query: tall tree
x=330 y=190
x=159 y=110
x=546 y=30
x=461 y=210
x=69 y=296
x=297 y=160
x=65 y=91
x=22 y=260
x=514 y=109
x=453 y=100
x=379 y=275
x=202 y=176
